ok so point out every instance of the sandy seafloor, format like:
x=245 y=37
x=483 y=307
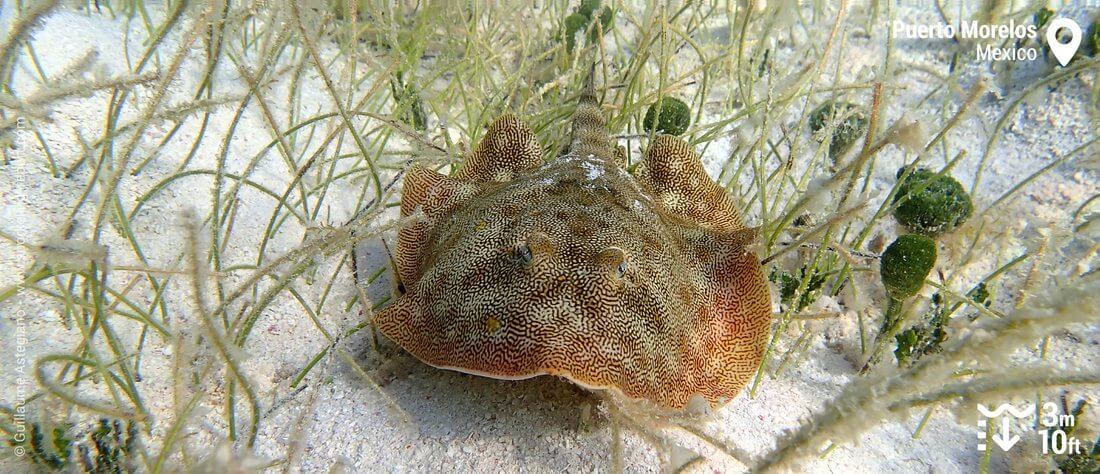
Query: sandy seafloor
x=463 y=423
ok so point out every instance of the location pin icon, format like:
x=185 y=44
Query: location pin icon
x=1063 y=51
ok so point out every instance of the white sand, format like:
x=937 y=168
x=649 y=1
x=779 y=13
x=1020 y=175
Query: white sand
x=460 y=422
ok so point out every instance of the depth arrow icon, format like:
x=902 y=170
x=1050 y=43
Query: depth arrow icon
x=1005 y=439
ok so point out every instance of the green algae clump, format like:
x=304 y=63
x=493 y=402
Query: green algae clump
x=1042 y=16
x=847 y=132
x=670 y=116
x=605 y=24
x=573 y=23
x=905 y=264
x=588 y=7
x=1092 y=39
x=929 y=203
x=581 y=17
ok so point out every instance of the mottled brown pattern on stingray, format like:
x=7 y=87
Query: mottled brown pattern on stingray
x=574 y=268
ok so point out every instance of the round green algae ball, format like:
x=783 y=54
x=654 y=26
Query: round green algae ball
x=847 y=131
x=931 y=204
x=906 y=263
x=674 y=118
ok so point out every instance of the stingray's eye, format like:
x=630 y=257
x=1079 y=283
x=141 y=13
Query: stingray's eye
x=614 y=259
x=522 y=252
x=537 y=247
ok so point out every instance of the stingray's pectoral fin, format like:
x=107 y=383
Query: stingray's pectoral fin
x=433 y=194
x=734 y=323
x=402 y=322
x=507 y=148
x=742 y=310
x=672 y=171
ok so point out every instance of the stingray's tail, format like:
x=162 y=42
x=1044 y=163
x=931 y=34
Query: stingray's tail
x=589 y=125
